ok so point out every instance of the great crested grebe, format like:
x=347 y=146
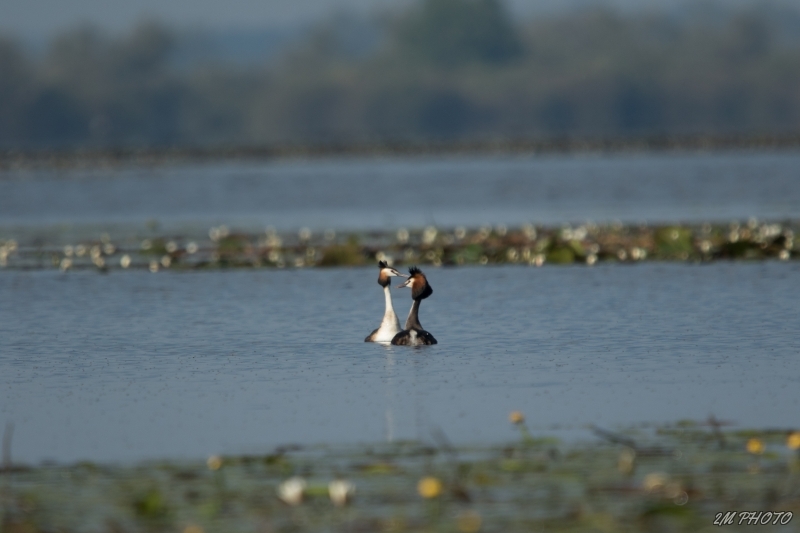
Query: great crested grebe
x=413 y=334
x=390 y=326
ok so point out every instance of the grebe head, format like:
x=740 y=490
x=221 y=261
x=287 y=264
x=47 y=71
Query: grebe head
x=387 y=272
x=418 y=283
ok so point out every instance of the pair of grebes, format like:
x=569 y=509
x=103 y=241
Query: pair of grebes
x=389 y=330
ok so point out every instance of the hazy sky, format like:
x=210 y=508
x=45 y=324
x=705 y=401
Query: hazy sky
x=37 y=19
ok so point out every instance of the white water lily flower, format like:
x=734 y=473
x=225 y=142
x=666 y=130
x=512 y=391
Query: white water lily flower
x=341 y=492
x=291 y=491
x=429 y=235
x=402 y=235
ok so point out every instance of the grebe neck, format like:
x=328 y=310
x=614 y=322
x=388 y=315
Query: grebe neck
x=389 y=315
x=412 y=322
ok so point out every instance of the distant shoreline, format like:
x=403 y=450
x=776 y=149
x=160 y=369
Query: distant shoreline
x=103 y=157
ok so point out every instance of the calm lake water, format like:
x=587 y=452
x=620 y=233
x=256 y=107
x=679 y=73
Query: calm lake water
x=133 y=365
x=391 y=192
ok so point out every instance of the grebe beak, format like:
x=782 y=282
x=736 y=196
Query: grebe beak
x=406 y=284
x=398 y=274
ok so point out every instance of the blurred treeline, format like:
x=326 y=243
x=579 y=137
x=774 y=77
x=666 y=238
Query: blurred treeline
x=446 y=70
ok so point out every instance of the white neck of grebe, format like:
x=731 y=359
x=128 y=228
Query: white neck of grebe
x=412 y=322
x=389 y=316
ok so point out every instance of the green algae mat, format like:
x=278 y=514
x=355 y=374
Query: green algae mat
x=682 y=477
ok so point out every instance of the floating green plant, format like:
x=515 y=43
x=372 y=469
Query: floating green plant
x=586 y=244
x=342 y=255
x=673 y=242
x=674 y=477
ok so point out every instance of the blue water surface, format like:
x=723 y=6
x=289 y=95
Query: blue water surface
x=132 y=365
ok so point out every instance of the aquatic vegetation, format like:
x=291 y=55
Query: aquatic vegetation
x=560 y=255
x=587 y=244
x=232 y=245
x=154 y=247
x=674 y=477
x=151 y=505
x=673 y=242
x=342 y=255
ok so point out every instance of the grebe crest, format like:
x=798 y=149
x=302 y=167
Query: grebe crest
x=390 y=326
